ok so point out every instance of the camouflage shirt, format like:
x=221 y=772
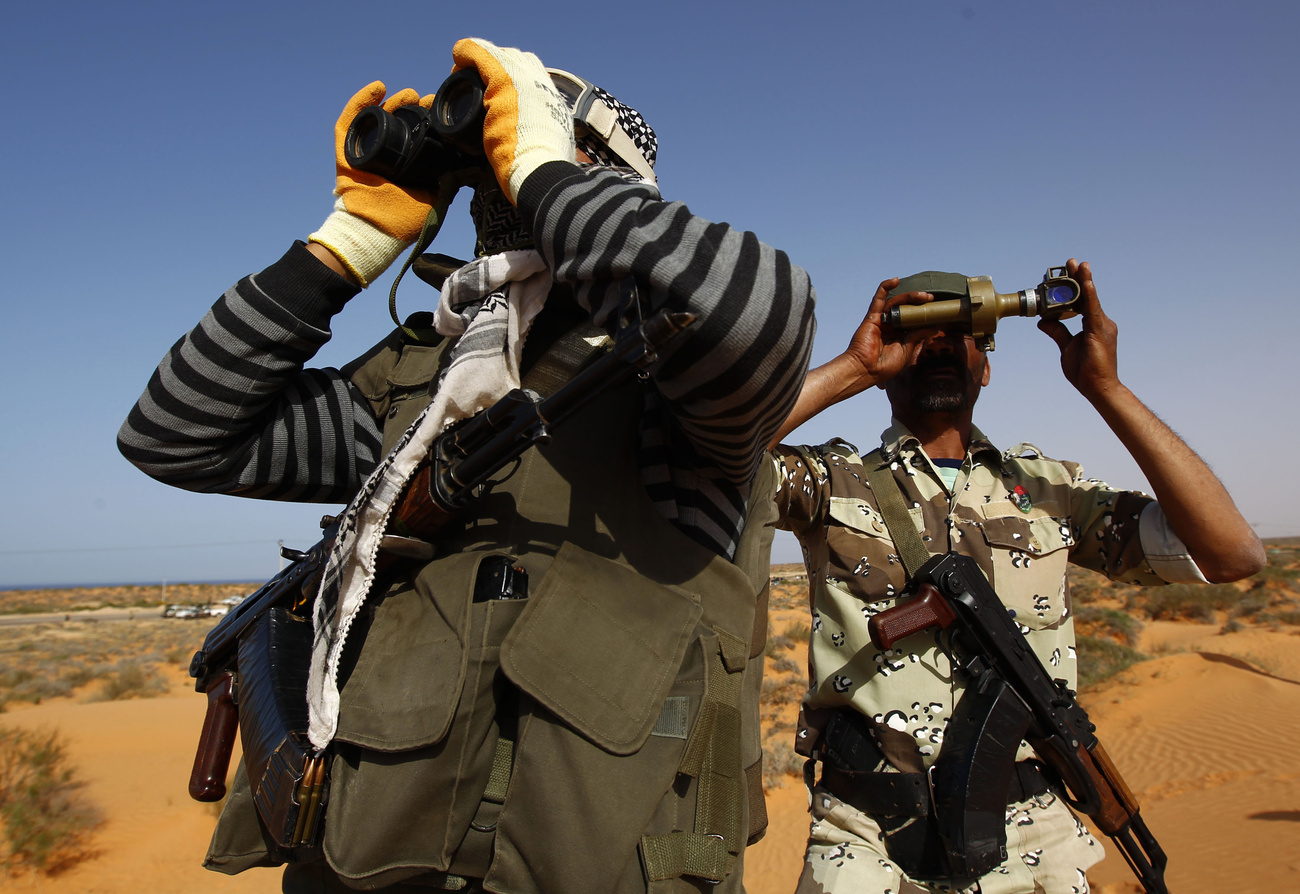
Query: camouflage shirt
x=1020 y=515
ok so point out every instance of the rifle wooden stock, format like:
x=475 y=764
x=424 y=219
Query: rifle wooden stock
x=416 y=513
x=220 y=724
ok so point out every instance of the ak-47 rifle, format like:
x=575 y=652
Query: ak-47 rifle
x=287 y=776
x=1009 y=680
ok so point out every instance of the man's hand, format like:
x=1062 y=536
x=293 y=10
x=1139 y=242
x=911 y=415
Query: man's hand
x=874 y=356
x=373 y=220
x=1088 y=359
x=528 y=123
x=1194 y=501
x=881 y=354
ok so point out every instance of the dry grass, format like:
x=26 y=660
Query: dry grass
x=94 y=660
x=785 y=679
x=1098 y=622
x=1270 y=598
x=1100 y=659
x=16 y=602
x=45 y=819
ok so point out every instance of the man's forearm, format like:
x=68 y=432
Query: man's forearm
x=1199 y=509
x=225 y=408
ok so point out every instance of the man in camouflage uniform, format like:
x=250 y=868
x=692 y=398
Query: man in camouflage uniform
x=1021 y=516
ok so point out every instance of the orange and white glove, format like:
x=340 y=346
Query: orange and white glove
x=528 y=123
x=374 y=220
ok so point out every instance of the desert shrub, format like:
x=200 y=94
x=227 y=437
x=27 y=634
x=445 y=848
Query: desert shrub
x=781 y=691
x=776 y=645
x=1184 y=602
x=787 y=595
x=1273 y=572
x=12 y=678
x=1086 y=585
x=28 y=684
x=44 y=817
x=78 y=674
x=1100 y=659
x=799 y=631
x=786 y=665
x=1121 y=627
x=43 y=661
x=130 y=680
x=779 y=762
x=1082 y=593
x=1249 y=603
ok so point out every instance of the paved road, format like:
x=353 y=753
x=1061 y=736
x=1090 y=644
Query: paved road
x=99 y=614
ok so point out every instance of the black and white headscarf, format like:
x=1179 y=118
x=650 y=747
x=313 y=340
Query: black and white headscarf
x=633 y=125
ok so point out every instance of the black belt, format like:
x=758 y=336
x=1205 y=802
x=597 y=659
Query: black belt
x=908 y=794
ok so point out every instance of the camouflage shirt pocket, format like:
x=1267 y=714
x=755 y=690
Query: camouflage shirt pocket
x=1029 y=557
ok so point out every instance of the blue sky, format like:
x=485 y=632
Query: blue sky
x=156 y=152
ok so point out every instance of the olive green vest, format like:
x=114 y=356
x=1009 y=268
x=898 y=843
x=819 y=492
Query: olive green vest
x=600 y=736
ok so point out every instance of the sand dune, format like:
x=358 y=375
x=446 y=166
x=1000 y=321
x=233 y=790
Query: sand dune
x=1209 y=739
x=135 y=757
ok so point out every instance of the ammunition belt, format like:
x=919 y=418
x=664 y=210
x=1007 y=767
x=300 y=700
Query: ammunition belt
x=908 y=794
x=852 y=765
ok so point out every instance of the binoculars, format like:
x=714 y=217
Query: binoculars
x=415 y=146
x=1055 y=298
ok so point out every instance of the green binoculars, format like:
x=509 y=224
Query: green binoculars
x=1055 y=298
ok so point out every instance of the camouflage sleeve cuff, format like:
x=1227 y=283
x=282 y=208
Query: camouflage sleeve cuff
x=1166 y=553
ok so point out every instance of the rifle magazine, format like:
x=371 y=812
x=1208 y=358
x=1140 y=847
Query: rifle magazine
x=292 y=793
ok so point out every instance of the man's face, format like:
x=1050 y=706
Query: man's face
x=943 y=376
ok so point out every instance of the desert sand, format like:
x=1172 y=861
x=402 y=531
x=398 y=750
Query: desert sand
x=1207 y=734
x=1208 y=738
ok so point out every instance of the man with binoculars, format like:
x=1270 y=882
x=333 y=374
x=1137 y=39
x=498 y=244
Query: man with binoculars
x=561 y=694
x=875 y=717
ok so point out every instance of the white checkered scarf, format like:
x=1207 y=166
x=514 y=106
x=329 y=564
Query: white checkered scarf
x=633 y=124
x=490 y=304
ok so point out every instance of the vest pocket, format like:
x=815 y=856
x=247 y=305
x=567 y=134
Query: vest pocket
x=599 y=646
x=408 y=677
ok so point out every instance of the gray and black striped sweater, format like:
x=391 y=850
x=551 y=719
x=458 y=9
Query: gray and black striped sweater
x=233 y=410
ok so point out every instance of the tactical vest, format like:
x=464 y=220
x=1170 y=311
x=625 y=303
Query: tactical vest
x=601 y=735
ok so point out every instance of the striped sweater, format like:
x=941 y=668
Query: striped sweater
x=233 y=409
